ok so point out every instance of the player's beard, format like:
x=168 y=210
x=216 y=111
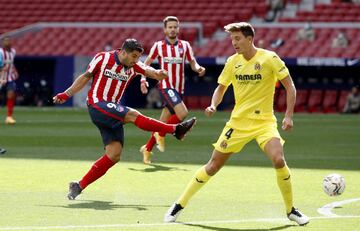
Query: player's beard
x=172 y=35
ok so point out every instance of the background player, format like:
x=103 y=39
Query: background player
x=171 y=54
x=253 y=73
x=111 y=73
x=10 y=74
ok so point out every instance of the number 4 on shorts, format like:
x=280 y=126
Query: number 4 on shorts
x=228 y=133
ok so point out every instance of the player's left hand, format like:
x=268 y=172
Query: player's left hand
x=201 y=71
x=210 y=111
x=287 y=124
x=60 y=98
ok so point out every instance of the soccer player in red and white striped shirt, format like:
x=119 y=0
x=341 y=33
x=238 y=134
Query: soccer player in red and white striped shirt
x=171 y=54
x=111 y=73
x=8 y=76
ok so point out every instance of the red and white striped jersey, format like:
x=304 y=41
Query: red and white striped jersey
x=8 y=59
x=171 y=58
x=110 y=77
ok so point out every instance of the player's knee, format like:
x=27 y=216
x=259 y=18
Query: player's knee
x=10 y=94
x=278 y=161
x=114 y=157
x=181 y=111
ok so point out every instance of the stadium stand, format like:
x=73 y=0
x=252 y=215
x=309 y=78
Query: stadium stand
x=334 y=12
x=213 y=16
x=17 y=15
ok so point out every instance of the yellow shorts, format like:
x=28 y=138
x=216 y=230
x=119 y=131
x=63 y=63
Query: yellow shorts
x=234 y=139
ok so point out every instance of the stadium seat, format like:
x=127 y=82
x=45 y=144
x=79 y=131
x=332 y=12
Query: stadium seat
x=330 y=101
x=342 y=100
x=315 y=101
x=192 y=102
x=301 y=100
x=205 y=101
x=281 y=101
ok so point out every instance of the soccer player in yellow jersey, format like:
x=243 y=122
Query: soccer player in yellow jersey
x=253 y=73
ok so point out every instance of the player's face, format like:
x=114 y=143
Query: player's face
x=240 y=42
x=7 y=42
x=171 y=30
x=129 y=59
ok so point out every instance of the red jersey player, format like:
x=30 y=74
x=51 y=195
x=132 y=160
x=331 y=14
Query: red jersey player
x=8 y=76
x=171 y=54
x=111 y=73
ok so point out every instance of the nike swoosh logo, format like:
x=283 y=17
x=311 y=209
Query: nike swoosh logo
x=237 y=66
x=287 y=178
x=200 y=181
x=352 y=62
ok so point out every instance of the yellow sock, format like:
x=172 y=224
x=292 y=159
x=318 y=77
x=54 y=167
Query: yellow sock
x=199 y=179
x=284 y=183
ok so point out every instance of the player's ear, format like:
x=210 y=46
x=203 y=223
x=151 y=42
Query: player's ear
x=123 y=52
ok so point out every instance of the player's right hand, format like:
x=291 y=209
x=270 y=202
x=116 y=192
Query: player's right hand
x=210 y=111
x=144 y=86
x=60 y=98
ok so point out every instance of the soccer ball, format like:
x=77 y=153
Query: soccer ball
x=334 y=184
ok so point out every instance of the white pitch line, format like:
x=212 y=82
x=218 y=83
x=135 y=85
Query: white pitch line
x=104 y=226
x=326 y=209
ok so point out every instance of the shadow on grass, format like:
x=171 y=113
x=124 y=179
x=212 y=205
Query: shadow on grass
x=231 y=229
x=158 y=168
x=103 y=205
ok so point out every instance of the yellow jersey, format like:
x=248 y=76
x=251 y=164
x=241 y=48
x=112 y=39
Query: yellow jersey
x=253 y=82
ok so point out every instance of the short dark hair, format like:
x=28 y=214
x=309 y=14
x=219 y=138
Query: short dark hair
x=5 y=37
x=245 y=28
x=170 y=19
x=131 y=45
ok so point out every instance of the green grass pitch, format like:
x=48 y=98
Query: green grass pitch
x=49 y=147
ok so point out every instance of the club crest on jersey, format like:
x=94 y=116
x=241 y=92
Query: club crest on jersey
x=173 y=60
x=223 y=144
x=257 y=67
x=181 y=50
x=117 y=76
x=119 y=108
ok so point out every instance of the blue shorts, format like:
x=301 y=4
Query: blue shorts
x=10 y=86
x=109 y=118
x=170 y=98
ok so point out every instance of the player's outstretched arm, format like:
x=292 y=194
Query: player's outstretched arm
x=287 y=122
x=77 y=85
x=215 y=100
x=156 y=74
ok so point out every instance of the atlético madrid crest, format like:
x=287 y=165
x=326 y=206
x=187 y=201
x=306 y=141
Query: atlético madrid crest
x=257 y=66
